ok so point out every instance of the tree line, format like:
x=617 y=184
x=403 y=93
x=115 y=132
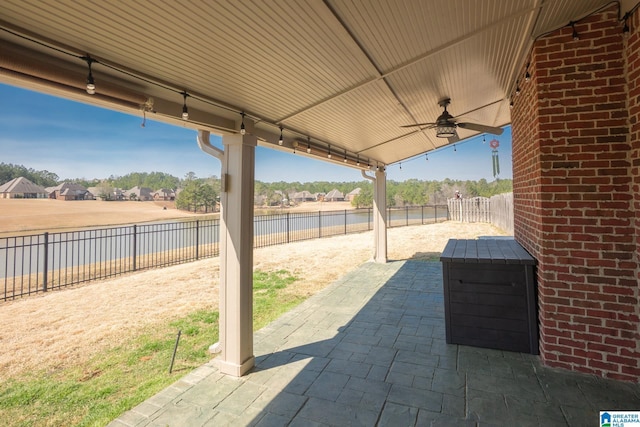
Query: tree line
x=201 y=194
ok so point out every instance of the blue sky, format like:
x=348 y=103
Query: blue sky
x=76 y=140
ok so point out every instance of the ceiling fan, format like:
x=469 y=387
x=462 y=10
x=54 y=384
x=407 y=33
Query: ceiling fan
x=446 y=125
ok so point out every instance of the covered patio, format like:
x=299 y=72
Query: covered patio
x=370 y=350
x=340 y=81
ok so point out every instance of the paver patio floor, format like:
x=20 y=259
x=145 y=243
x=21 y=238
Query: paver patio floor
x=370 y=350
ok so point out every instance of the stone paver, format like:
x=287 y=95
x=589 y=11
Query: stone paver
x=370 y=350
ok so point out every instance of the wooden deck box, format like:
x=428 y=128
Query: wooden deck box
x=490 y=295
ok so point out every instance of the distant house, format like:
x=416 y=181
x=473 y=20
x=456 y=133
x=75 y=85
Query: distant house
x=22 y=188
x=302 y=196
x=69 y=191
x=319 y=196
x=164 y=194
x=353 y=193
x=334 y=196
x=143 y=194
x=115 y=194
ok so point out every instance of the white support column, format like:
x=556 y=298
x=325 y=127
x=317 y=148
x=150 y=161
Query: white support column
x=380 y=216
x=236 y=255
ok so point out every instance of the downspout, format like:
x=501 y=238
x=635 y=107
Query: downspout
x=205 y=145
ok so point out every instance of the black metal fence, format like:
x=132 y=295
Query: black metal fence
x=39 y=263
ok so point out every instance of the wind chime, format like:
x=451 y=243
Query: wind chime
x=494 y=144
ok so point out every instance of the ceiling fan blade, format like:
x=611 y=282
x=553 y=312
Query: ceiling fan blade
x=417 y=125
x=454 y=138
x=481 y=128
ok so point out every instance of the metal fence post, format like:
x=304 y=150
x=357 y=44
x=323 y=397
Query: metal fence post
x=288 y=220
x=406 y=215
x=45 y=271
x=435 y=213
x=197 y=239
x=345 y=221
x=134 y=249
x=319 y=223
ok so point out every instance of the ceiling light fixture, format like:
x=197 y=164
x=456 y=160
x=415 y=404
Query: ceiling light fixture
x=358 y=160
x=294 y=144
x=329 y=152
x=426 y=157
x=511 y=104
x=91 y=84
x=527 y=75
x=454 y=147
x=242 y=128
x=400 y=165
x=308 y=145
x=517 y=88
x=185 y=110
x=281 y=139
x=345 y=156
x=445 y=127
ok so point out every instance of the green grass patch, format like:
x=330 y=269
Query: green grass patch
x=118 y=379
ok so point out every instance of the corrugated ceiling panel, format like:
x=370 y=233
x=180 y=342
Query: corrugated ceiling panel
x=235 y=52
x=472 y=74
x=557 y=13
x=413 y=144
x=395 y=33
x=355 y=120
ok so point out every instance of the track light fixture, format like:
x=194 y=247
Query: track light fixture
x=91 y=84
x=185 y=110
x=308 y=145
x=281 y=139
x=574 y=34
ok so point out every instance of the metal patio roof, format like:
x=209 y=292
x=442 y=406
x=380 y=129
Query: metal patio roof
x=343 y=75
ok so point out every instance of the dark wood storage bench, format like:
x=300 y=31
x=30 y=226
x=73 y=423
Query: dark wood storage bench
x=490 y=295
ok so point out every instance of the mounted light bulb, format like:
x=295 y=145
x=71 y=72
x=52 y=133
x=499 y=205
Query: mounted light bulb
x=242 y=128
x=91 y=84
x=281 y=139
x=185 y=110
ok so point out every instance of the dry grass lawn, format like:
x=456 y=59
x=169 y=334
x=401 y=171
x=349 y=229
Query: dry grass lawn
x=63 y=328
x=23 y=216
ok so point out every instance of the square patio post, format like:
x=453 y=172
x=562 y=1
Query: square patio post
x=236 y=255
x=380 y=216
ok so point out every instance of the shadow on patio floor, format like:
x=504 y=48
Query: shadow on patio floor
x=370 y=350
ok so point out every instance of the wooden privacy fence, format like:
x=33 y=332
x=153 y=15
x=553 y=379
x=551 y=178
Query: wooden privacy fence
x=501 y=206
x=497 y=210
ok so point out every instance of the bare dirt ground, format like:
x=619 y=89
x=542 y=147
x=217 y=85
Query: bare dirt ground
x=63 y=328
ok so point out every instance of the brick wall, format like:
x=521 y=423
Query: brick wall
x=576 y=161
